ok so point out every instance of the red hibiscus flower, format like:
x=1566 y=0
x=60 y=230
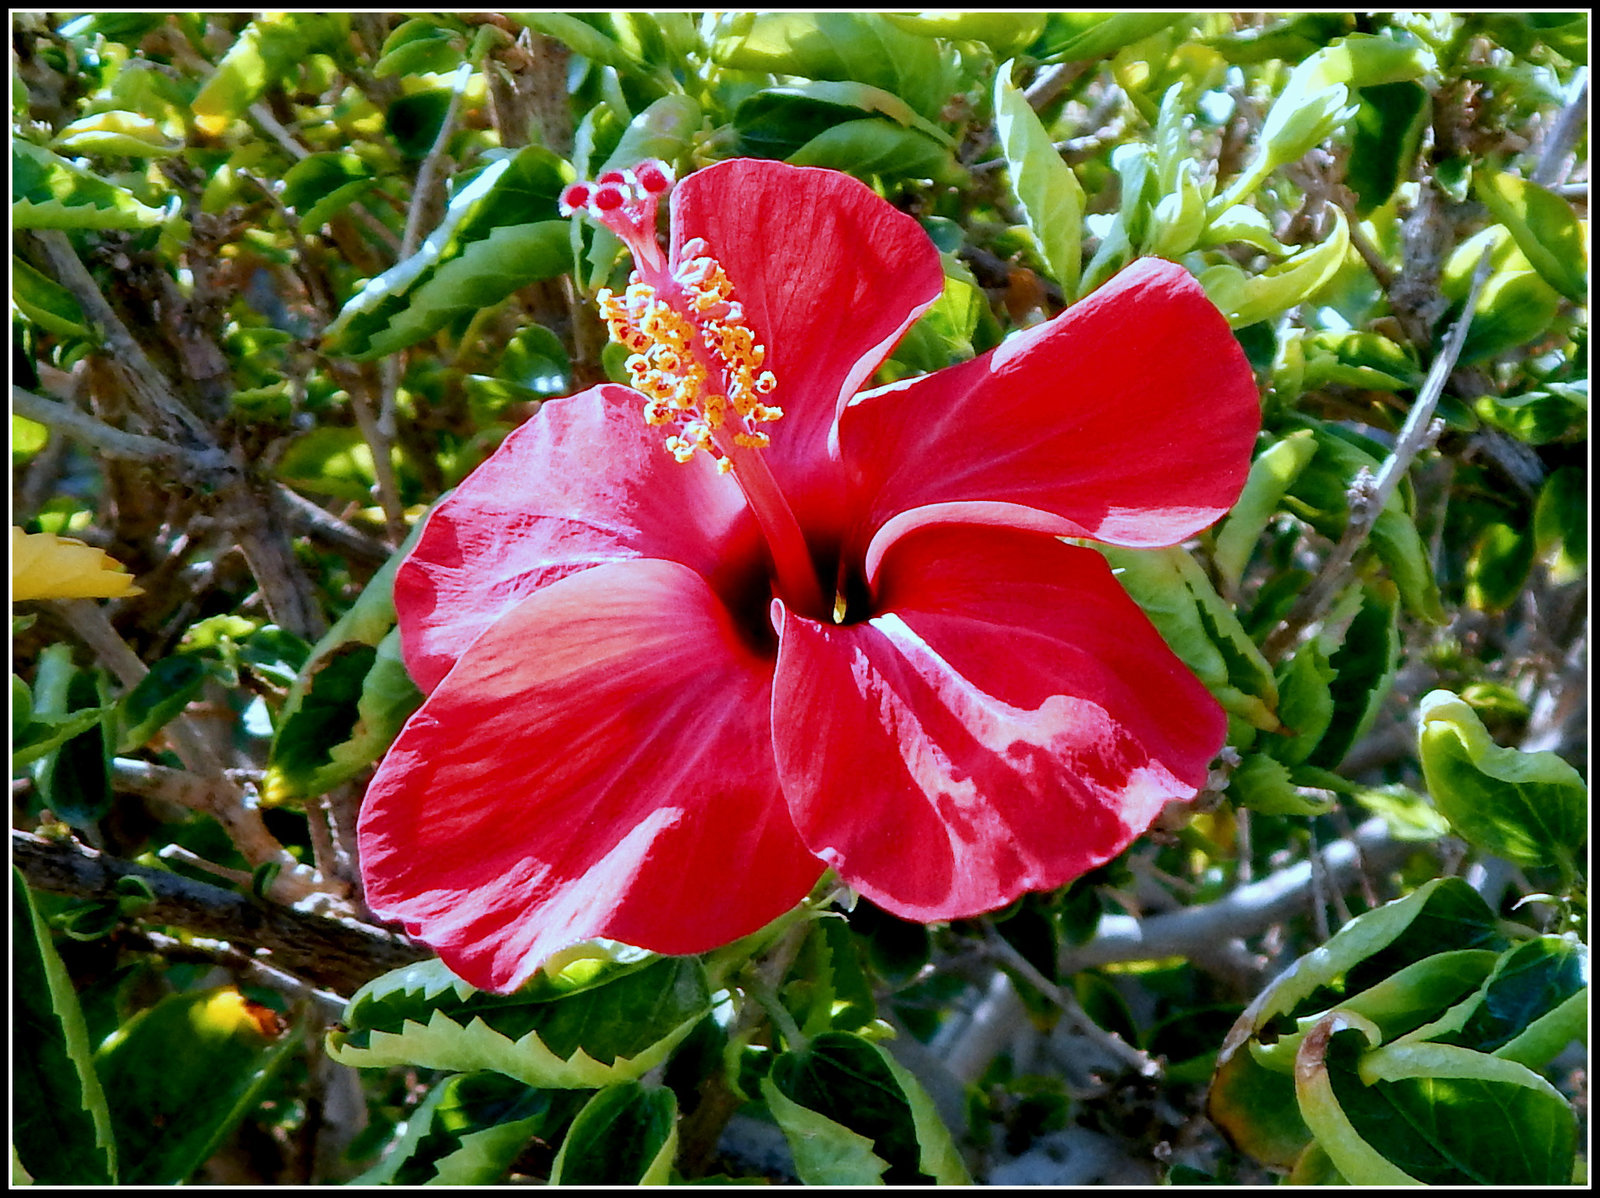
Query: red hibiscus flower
x=685 y=644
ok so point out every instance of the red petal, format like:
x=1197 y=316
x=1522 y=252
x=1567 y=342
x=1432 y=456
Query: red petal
x=830 y=276
x=1129 y=418
x=1008 y=721
x=598 y=763
x=585 y=481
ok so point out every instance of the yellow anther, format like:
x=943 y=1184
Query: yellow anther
x=692 y=356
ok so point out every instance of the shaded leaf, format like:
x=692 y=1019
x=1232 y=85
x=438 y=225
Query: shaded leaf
x=626 y=1135
x=61 y=1132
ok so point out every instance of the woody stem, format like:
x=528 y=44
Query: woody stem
x=791 y=560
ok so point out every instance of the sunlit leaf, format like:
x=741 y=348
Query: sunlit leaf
x=1045 y=186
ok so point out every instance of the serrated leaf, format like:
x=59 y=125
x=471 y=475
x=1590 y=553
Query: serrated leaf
x=614 y=1030
x=1263 y=784
x=181 y=1075
x=626 y=1135
x=1305 y=705
x=48 y=192
x=1544 y=226
x=1045 y=186
x=62 y=1132
x=1364 y=669
x=1530 y=808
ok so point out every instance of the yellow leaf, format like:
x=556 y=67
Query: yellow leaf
x=45 y=566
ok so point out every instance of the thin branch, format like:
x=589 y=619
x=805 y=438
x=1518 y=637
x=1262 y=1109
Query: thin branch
x=204 y=785
x=201 y=950
x=338 y=954
x=306 y=518
x=1563 y=134
x=1246 y=911
x=1116 y=1047
x=1368 y=498
x=105 y=440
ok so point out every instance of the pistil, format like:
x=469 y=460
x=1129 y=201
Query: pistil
x=697 y=362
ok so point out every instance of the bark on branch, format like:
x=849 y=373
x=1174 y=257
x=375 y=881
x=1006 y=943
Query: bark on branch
x=336 y=954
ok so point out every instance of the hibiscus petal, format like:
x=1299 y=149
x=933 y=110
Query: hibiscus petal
x=1129 y=418
x=598 y=763
x=1007 y=721
x=585 y=481
x=830 y=276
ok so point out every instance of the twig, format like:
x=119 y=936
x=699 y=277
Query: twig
x=1563 y=134
x=336 y=953
x=105 y=440
x=307 y=518
x=203 y=785
x=1367 y=499
x=201 y=950
x=1135 y=1058
x=1246 y=911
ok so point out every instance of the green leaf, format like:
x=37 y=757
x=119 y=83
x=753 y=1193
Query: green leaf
x=330 y=460
x=866 y=1093
x=1270 y=475
x=73 y=775
x=1530 y=808
x=582 y=37
x=1531 y=981
x=61 y=1133
x=1498 y=566
x=1305 y=705
x=626 y=1135
x=1252 y=1098
x=1389 y=122
x=48 y=192
x=262 y=52
x=1262 y=783
x=157 y=698
x=485 y=273
x=1447 y=1115
x=1561 y=523
x=420 y=46
x=870 y=147
x=346 y=700
x=1002 y=32
x=504 y=193
x=180 y=1076
x=594 y=1024
x=845 y=47
x=45 y=302
x=1248 y=299
x=1076 y=37
x=825 y=1152
x=942 y=335
x=1544 y=226
x=1364 y=668
x=1200 y=627
x=1045 y=186
x=664 y=131
x=115 y=133
x=1319 y=494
